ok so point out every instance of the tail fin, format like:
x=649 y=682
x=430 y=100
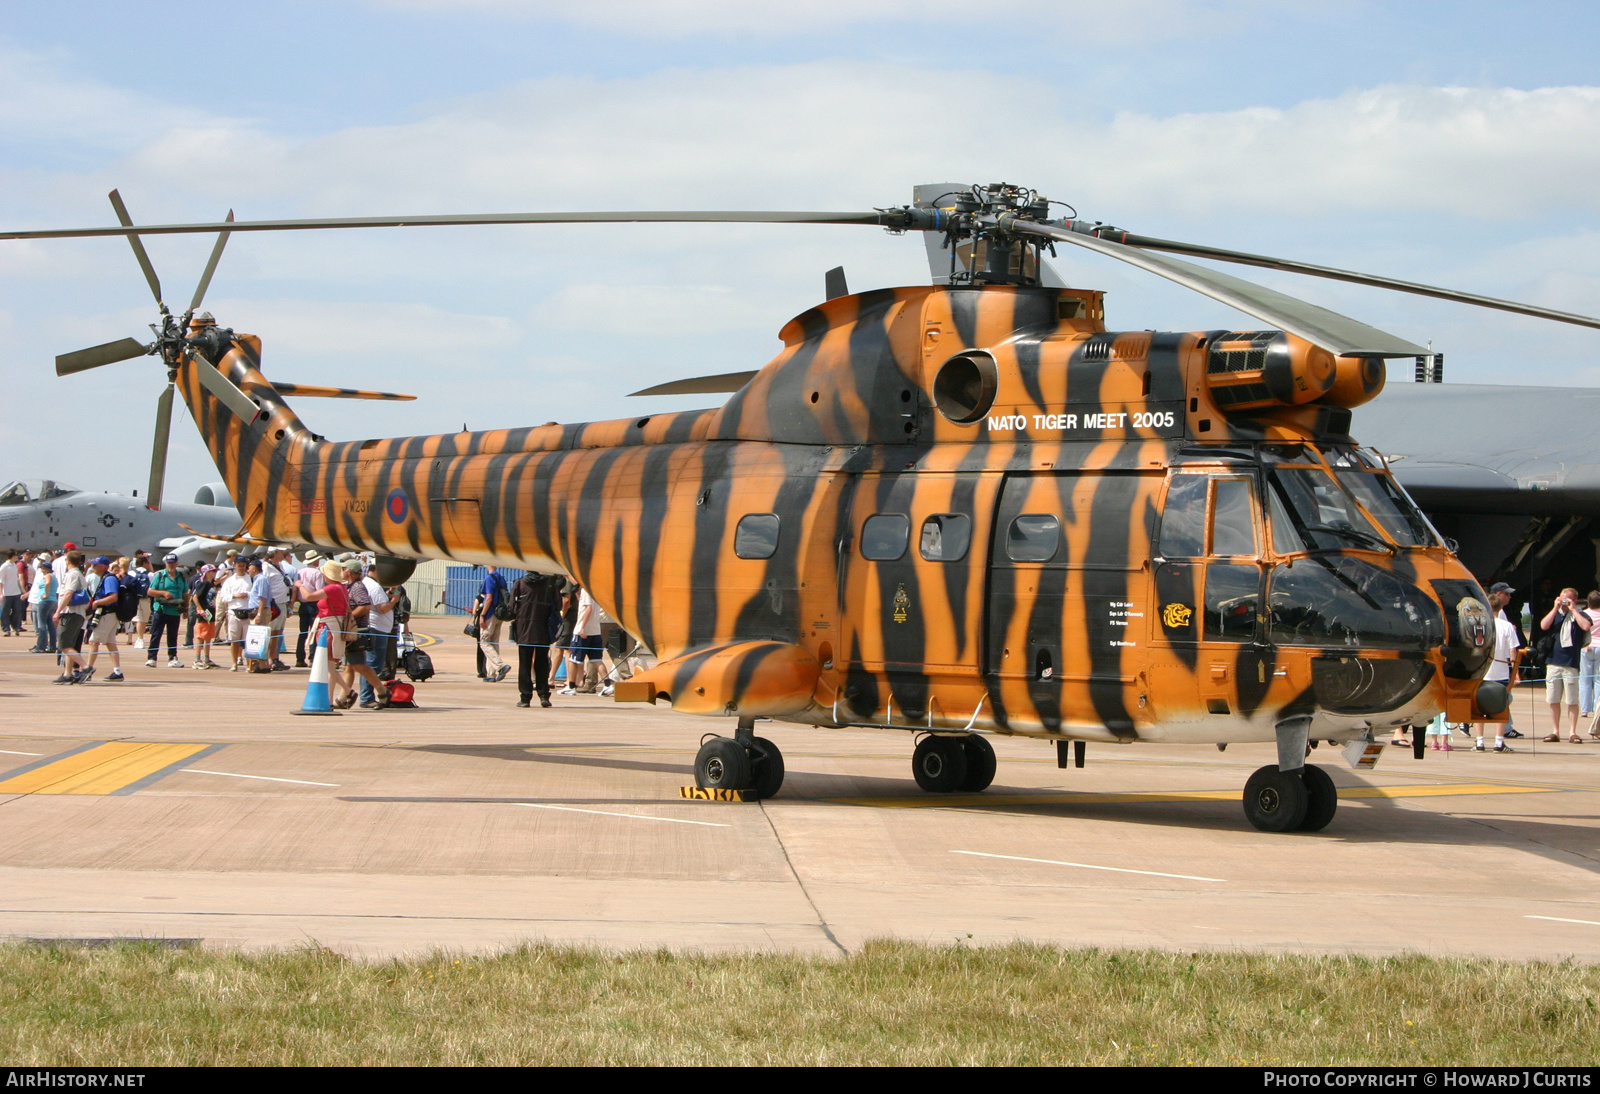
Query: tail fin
x=258 y=459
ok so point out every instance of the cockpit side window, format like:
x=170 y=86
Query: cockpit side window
x=1183 y=518
x=1233 y=527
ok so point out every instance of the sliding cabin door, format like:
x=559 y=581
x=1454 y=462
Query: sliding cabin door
x=1068 y=596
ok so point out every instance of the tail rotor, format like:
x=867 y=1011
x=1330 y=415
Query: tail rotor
x=172 y=343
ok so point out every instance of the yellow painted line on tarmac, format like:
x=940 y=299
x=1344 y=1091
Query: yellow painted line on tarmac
x=424 y=640
x=112 y=767
x=944 y=800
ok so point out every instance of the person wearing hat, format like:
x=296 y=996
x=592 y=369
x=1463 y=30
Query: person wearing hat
x=233 y=607
x=332 y=602
x=72 y=604
x=1503 y=670
x=103 y=621
x=203 y=605
x=42 y=604
x=309 y=576
x=168 y=593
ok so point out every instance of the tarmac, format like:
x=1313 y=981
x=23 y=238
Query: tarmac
x=189 y=805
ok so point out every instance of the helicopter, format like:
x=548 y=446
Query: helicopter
x=952 y=510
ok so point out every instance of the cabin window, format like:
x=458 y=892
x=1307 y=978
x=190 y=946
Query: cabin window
x=884 y=537
x=1183 y=521
x=1233 y=526
x=1033 y=537
x=756 y=536
x=1233 y=595
x=946 y=537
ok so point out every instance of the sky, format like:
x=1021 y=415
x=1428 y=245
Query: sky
x=1449 y=143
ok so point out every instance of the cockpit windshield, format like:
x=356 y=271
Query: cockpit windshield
x=22 y=491
x=1363 y=476
x=1309 y=512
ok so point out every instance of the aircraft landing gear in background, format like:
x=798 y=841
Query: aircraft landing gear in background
x=1290 y=801
x=741 y=762
x=942 y=765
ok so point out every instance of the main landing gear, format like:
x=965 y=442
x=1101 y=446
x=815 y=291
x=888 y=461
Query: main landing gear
x=741 y=762
x=943 y=765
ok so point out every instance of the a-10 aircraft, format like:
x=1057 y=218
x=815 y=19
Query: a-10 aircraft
x=952 y=510
x=42 y=514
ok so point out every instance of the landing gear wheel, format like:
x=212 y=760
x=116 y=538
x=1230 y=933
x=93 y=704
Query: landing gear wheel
x=1275 y=801
x=1322 y=799
x=766 y=768
x=940 y=764
x=980 y=764
x=722 y=764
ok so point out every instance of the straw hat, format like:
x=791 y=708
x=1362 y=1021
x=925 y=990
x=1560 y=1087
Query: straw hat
x=333 y=571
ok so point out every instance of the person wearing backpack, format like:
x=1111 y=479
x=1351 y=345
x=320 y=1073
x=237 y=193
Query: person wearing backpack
x=493 y=610
x=138 y=575
x=105 y=612
x=169 y=592
x=1569 y=628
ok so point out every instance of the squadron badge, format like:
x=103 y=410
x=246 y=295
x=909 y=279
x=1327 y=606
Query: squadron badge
x=901 y=603
x=1176 y=616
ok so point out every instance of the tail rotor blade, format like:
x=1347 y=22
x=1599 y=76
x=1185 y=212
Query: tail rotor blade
x=95 y=356
x=224 y=389
x=138 y=247
x=211 y=268
x=158 y=452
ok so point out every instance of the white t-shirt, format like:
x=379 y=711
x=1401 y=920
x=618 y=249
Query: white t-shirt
x=58 y=566
x=235 y=591
x=279 y=587
x=382 y=622
x=1505 y=643
x=591 y=628
x=10 y=582
x=72 y=584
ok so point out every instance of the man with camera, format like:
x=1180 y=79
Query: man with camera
x=1569 y=628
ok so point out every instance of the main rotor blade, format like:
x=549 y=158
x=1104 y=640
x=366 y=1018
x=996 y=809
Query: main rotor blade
x=699 y=385
x=158 y=451
x=138 y=247
x=211 y=268
x=95 y=356
x=314 y=391
x=1336 y=333
x=224 y=389
x=1333 y=273
x=729 y=217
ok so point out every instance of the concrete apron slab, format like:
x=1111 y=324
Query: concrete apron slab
x=210 y=812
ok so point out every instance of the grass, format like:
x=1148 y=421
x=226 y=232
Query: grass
x=894 y=1002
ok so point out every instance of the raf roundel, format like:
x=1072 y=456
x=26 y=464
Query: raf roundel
x=396 y=506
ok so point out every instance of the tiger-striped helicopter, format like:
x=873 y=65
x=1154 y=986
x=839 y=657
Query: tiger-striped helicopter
x=956 y=509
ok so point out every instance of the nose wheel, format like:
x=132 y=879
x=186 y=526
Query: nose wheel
x=944 y=765
x=1290 y=801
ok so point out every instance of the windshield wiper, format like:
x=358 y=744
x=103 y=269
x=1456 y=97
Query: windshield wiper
x=1355 y=534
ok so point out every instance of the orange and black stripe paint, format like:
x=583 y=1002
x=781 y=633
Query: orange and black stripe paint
x=1099 y=638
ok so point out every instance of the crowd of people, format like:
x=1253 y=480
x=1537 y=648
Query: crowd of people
x=1565 y=650
x=81 y=607
x=549 y=614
